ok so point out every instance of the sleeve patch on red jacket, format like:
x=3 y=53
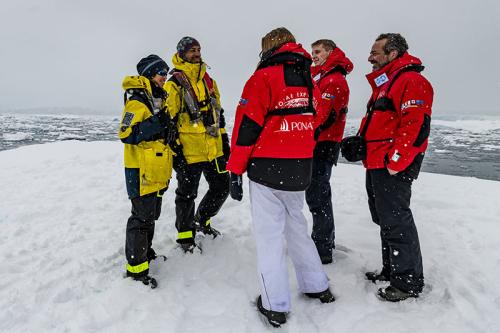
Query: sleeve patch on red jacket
x=243 y=102
x=412 y=103
x=328 y=96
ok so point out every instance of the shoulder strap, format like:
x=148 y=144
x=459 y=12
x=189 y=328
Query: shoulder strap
x=180 y=79
x=139 y=95
x=183 y=81
x=369 y=112
x=210 y=84
x=410 y=68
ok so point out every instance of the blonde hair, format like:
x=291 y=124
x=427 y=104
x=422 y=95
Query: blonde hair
x=277 y=37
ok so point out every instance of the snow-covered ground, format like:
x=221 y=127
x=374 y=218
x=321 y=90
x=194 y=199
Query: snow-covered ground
x=63 y=211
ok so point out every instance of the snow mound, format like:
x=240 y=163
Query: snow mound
x=18 y=136
x=63 y=212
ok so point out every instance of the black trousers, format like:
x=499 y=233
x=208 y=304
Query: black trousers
x=140 y=229
x=319 y=200
x=188 y=181
x=389 y=203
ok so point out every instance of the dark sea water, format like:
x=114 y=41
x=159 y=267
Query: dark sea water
x=461 y=146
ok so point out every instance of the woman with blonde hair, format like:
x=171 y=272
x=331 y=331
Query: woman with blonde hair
x=273 y=141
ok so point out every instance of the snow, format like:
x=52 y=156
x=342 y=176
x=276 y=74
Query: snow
x=63 y=212
x=471 y=125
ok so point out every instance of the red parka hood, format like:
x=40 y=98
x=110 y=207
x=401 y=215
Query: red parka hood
x=405 y=60
x=288 y=52
x=336 y=58
x=294 y=48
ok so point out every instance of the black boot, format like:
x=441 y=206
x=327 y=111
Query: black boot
x=209 y=230
x=393 y=294
x=188 y=245
x=374 y=277
x=325 y=296
x=145 y=279
x=275 y=318
x=206 y=227
x=153 y=256
x=326 y=259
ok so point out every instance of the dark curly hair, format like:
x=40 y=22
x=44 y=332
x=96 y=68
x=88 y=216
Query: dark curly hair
x=394 y=42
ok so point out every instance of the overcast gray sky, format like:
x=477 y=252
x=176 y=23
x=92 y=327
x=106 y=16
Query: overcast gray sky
x=63 y=53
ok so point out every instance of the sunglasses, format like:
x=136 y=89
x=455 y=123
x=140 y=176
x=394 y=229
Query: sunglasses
x=163 y=72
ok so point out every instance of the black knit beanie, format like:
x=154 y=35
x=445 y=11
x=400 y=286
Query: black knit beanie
x=152 y=65
x=185 y=44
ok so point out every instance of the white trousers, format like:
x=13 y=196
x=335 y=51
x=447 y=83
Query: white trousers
x=278 y=224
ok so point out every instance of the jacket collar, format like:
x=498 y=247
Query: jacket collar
x=286 y=53
x=194 y=72
x=386 y=73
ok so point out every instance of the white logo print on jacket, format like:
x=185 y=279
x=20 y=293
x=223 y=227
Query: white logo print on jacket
x=293 y=126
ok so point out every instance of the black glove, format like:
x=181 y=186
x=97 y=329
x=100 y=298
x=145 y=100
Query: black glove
x=163 y=117
x=332 y=117
x=222 y=119
x=236 y=187
x=226 y=148
x=171 y=132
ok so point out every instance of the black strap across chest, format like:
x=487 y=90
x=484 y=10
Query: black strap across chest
x=181 y=80
x=290 y=111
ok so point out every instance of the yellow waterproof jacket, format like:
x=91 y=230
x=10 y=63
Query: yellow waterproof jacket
x=148 y=160
x=197 y=145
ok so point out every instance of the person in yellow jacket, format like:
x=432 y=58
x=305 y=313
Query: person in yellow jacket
x=202 y=145
x=146 y=130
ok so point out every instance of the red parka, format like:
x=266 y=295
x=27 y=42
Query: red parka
x=401 y=102
x=273 y=135
x=330 y=78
